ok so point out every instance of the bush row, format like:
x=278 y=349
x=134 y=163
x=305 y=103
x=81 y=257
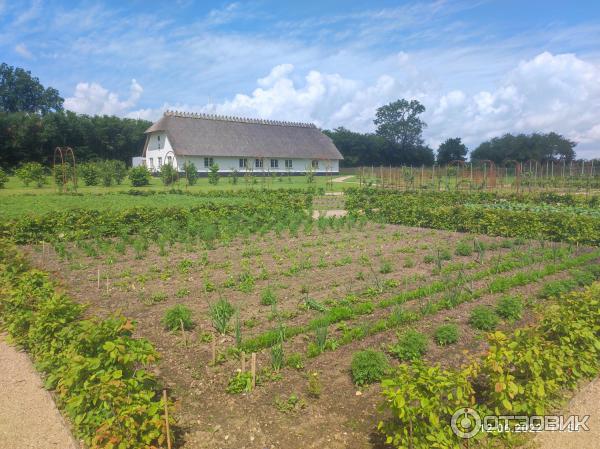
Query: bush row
x=97 y=369
x=521 y=374
x=449 y=211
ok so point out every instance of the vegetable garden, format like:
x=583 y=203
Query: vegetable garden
x=271 y=329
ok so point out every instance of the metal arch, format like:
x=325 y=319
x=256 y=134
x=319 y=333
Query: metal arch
x=65 y=152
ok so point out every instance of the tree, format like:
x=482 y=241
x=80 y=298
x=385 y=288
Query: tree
x=89 y=173
x=21 y=92
x=139 y=176
x=399 y=122
x=191 y=173
x=523 y=147
x=119 y=171
x=213 y=175
x=451 y=150
x=32 y=172
x=168 y=174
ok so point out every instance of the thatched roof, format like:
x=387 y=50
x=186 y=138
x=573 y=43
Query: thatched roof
x=209 y=135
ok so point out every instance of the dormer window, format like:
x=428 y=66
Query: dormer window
x=158 y=139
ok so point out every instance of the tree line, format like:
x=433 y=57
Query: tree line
x=33 y=123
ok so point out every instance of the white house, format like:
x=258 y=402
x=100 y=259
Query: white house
x=242 y=144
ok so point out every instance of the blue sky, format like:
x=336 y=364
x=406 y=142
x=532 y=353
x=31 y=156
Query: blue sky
x=481 y=68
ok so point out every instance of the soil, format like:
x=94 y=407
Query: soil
x=323 y=265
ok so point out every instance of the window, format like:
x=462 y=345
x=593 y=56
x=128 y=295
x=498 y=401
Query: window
x=170 y=160
x=258 y=163
x=151 y=163
x=208 y=162
x=243 y=163
x=158 y=139
x=159 y=162
x=274 y=163
x=315 y=163
x=288 y=163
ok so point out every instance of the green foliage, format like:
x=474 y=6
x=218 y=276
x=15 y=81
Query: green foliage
x=446 y=334
x=22 y=92
x=213 y=174
x=89 y=173
x=554 y=289
x=295 y=361
x=32 y=172
x=3 y=178
x=168 y=174
x=97 y=369
x=422 y=400
x=368 y=366
x=267 y=297
x=483 y=318
x=139 y=176
x=411 y=345
x=240 y=383
x=386 y=267
x=451 y=150
x=292 y=404
x=191 y=173
x=315 y=387
x=510 y=308
x=220 y=312
x=464 y=249
x=175 y=316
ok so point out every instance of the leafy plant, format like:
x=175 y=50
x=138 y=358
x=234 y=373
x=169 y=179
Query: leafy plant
x=386 y=267
x=241 y=382
x=220 y=312
x=3 y=178
x=176 y=316
x=31 y=172
x=168 y=174
x=411 y=345
x=446 y=334
x=315 y=388
x=483 y=318
x=139 y=176
x=295 y=361
x=190 y=172
x=510 y=308
x=213 y=174
x=368 y=366
x=268 y=297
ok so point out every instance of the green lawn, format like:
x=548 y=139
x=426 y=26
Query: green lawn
x=17 y=200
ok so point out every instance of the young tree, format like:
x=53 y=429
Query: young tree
x=3 y=178
x=89 y=173
x=32 y=172
x=213 y=175
x=191 y=173
x=119 y=171
x=168 y=174
x=139 y=176
x=451 y=150
x=399 y=122
x=107 y=171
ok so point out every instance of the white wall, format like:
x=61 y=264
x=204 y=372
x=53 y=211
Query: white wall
x=226 y=164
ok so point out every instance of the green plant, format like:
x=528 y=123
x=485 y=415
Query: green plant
x=411 y=345
x=240 y=382
x=295 y=361
x=483 y=318
x=191 y=173
x=182 y=292
x=139 y=176
x=220 y=312
x=31 y=172
x=464 y=248
x=314 y=387
x=446 y=334
x=168 y=174
x=177 y=316
x=510 y=308
x=386 y=267
x=213 y=174
x=292 y=404
x=368 y=366
x=268 y=297
x=3 y=178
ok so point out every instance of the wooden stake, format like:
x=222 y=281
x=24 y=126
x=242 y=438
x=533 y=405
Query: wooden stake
x=214 y=349
x=253 y=368
x=183 y=332
x=243 y=362
x=98 y=278
x=167 y=419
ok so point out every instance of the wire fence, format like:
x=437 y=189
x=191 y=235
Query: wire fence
x=558 y=176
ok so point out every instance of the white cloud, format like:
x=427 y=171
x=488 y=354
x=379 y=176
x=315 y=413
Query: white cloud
x=23 y=51
x=92 y=98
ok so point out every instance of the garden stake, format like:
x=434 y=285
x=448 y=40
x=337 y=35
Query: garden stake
x=183 y=333
x=214 y=349
x=167 y=418
x=253 y=369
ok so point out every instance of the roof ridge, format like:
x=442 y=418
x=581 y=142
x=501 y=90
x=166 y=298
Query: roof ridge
x=227 y=118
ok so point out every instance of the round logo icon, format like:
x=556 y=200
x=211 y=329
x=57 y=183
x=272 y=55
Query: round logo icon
x=466 y=422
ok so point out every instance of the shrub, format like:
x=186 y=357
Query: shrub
x=89 y=173
x=554 y=289
x=240 y=383
x=107 y=172
x=175 y=316
x=464 y=249
x=368 y=366
x=168 y=174
x=213 y=175
x=483 y=318
x=139 y=176
x=31 y=172
x=191 y=173
x=510 y=308
x=220 y=313
x=267 y=298
x=411 y=345
x=3 y=178
x=386 y=267
x=315 y=388
x=295 y=361
x=446 y=334
x=119 y=171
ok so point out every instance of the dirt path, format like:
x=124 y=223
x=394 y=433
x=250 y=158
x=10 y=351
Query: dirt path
x=585 y=402
x=342 y=178
x=28 y=417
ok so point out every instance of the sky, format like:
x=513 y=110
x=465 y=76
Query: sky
x=481 y=68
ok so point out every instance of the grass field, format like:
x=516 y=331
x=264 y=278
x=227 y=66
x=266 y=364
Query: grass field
x=333 y=287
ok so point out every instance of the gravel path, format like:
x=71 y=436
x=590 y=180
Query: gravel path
x=585 y=402
x=28 y=417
